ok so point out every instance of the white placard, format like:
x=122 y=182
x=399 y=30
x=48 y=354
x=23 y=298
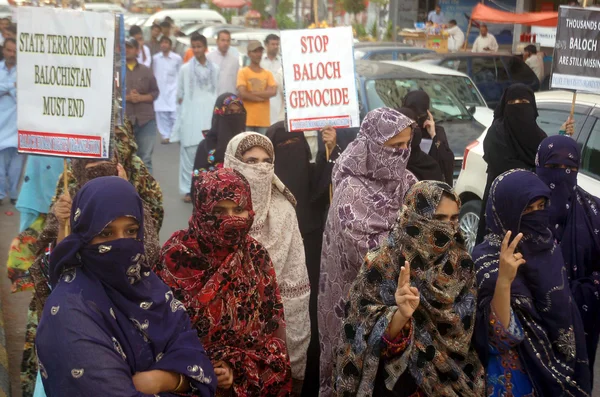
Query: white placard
x=319 y=81
x=544 y=35
x=65 y=81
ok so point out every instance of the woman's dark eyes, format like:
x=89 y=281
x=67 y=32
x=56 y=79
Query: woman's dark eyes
x=134 y=230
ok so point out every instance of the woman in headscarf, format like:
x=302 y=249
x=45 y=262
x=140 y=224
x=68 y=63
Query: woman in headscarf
x=575 y=222
x=422 y=165
x=226 y=280
x=310 y=184
x=228 y=120
x=125 y=164
x=111 y=327
x=276 y=228
x=369 y=183
x=411 y=314
x=529 y=332
x=512 y=140
x=428 y=134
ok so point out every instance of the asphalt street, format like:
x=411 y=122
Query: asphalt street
x=177 y=213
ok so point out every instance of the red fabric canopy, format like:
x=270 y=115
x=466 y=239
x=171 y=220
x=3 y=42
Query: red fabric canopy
x=230 y=3
x=492 y=15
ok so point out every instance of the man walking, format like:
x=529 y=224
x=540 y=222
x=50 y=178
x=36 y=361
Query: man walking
x=227 y=59
x=154 y=44
x=197 y=94
x=142 y=90
x=485 y=42
x=456 y=37
x=145 y=55
x=11 y=162
x=166 y=65
x=256 y=87
x=272 y=62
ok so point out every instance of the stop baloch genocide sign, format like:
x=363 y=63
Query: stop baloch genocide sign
x=319 y=82
x=65 y=64
x=576 y=61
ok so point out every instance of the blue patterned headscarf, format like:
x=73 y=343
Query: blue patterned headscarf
x=554 y=350
x=108 y=311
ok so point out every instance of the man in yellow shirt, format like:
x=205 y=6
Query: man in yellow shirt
x=256 y=87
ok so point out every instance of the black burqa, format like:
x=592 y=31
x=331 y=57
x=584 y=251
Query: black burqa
x=512 y=140
x=438 y=164
x=310 y=185
x=223 y=128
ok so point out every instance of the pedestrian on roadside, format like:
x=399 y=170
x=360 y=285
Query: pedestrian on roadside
x=456 y=37
x=271 y=61
x=512 y=140
x=145 y=56
x=227 y=59
x=228 y=120
x=166 y=65
x=124 y=331
x=11 y=162
x=196 y=92
x=154 y=44
x=411 y=315
x=485 y=42
x=142 y=91
x=309 y=181
x=166 y=28
x=429 y=142
x=226 y=280
x=534 y=61
x=256 y=87
x=436 y=15
x=574 y=221
x=276 y=227
x=369 y=183
x=529 y=333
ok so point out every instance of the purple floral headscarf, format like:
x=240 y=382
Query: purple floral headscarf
x=369 y=182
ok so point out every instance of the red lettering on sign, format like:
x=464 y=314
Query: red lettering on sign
x=316 y=98
x=314 y=43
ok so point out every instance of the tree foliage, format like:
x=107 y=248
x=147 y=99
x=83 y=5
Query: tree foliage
x=354 y=6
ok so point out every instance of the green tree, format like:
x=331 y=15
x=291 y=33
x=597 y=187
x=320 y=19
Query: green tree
x=354 y=6
x=284 y=8
x=260 y=6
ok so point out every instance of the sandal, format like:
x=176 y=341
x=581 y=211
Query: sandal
x=187 y=198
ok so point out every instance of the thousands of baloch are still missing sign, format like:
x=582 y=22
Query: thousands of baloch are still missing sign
x=64 y=81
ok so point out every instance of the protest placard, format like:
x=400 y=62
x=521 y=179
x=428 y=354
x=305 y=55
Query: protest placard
x=319 y=81
x=576 y=62
x=65 y=65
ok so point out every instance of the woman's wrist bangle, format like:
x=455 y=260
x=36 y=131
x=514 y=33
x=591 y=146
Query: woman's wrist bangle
x=180 y=384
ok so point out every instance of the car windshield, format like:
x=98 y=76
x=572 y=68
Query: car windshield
x=465 y=90
x=390 y=92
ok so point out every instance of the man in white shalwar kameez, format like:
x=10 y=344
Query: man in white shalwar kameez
x=196 y=94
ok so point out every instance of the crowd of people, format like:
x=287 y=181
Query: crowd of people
x=306 y=269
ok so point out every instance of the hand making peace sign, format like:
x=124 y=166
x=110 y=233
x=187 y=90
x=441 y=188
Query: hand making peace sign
x=407 y=297
x=509 y=261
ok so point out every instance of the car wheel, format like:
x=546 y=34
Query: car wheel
x=469 y=222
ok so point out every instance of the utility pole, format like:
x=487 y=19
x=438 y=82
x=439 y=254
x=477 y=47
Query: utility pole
x=394 y=18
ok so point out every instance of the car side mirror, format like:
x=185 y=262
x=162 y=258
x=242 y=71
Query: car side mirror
x=472 y=110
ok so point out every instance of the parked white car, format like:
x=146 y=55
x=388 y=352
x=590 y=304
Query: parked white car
x=553 y=108
x=187 y=16
x=105 y=7
x=462 y=87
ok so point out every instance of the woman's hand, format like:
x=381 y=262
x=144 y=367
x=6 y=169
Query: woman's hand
x=121 y=172
x=329 y=138
x=407 y=297
x=509 y=261
x=148 y=382
x=157 y=381
x=224 y=375
x=568 y=126
x=62 y=209
x=429 y=125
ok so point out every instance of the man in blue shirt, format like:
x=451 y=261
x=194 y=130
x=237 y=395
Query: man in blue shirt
x=437 y=16
x=11 y=162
